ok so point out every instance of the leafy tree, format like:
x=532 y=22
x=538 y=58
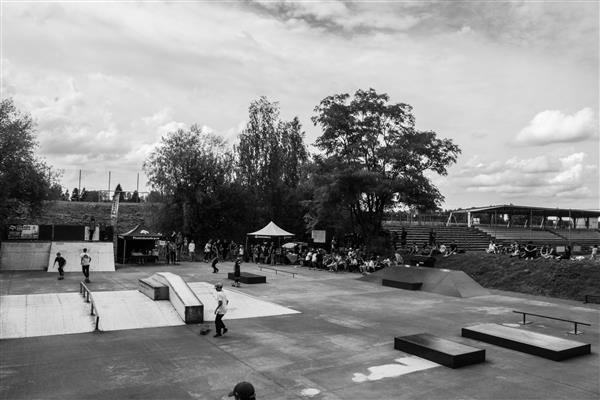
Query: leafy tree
x=24 y=178
x=191 y=168
x=374 y=159
x=83 y=195
x=75 y=194
x=55 y=192
x=135 y=197
x=270 y=158
x=119 y=190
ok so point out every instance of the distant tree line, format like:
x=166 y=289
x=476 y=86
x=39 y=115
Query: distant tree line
x=370 y=159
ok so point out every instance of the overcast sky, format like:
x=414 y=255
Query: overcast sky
x=514 y=84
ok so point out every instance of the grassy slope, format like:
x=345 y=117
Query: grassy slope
x=554 y=278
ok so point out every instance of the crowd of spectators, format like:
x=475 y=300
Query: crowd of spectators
x=529 y=251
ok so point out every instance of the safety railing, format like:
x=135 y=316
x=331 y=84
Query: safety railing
x=87 y=296
x=573 y=332
x=587 y=297
x=278 y=270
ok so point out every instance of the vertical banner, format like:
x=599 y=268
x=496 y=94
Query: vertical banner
x=114 y=210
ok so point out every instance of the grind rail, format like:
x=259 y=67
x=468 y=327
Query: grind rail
x=278 y=270
x=573 y=332
x=87 y=295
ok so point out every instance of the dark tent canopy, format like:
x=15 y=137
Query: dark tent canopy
x=137 y=240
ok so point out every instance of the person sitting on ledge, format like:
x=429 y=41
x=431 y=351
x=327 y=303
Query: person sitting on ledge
x=566 y=255
x=453 y=249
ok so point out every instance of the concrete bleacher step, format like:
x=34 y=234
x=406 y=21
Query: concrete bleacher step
x=153 y=288
x=538 y=344
x=441 y=351
x=248 y=278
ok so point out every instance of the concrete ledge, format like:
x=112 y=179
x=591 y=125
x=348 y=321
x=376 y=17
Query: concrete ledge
x=184 y=300
x=402 y=284
x=441 y=351
x=153 y=289
x=248 y=278
x=538 y=344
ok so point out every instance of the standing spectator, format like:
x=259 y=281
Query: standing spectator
x=594 y=252
x=61 y=264
x=403 y=237
x=192 y=250
x=240 y=252
x=207 y=250
x=220 y=310
x=237 y=272
x=92 y=228
x=85 y=264
x=172 y=252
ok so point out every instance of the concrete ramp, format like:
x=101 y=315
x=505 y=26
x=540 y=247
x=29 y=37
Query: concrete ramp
x=441 y=281
x=184 y=300
x=102 y=254
x=31 y=256
x=44 y=314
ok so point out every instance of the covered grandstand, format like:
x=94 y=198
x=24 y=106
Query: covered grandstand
x=473 y=228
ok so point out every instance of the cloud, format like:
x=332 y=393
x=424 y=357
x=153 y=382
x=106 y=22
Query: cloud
x=553 y=126
x=544 y=176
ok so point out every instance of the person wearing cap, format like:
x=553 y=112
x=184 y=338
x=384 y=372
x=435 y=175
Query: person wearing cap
x=243 y=391
x=220 y=310
x=61 y=264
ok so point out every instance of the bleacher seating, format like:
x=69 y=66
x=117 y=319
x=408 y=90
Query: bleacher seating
x=469 y=239
x=540 y=236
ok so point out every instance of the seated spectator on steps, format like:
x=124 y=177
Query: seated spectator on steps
x=530 y=251
x=443 y=249
x=453 y=249
x=491 y=248
x=566 y=255
x=413 y=249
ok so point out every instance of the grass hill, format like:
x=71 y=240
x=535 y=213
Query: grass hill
x=565 y=279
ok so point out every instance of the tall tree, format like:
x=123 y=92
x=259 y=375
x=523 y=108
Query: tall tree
x=270 y=157
x=374 y=159
x=191 y=168
x=24 y=178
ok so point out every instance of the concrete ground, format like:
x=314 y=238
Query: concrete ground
x=340 y=345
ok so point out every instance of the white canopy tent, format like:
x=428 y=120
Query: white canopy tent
x=270 y=231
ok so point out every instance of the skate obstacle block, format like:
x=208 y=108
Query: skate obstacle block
x=538 y=344
x=248 y=278
x=153 y=288
x=402 y=284
x=184 y=300
x=438 y=350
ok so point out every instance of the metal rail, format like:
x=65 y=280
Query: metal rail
x=588 y=296
x=278 y=270
x=573 y=332
x=87 y=296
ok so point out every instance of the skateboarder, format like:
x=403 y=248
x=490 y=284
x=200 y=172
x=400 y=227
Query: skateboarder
x=61 y=263
x=85 y=265
x=220 y=310
x=214 y=262
x=237 y=272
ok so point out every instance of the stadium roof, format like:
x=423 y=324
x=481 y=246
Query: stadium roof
x=527 y=210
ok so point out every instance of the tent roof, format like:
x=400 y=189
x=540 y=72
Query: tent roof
x=537 y=211
x=140 y=232
x=270 y=230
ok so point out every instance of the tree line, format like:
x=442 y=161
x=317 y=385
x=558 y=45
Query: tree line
x=368 y=160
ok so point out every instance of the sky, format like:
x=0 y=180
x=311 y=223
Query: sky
x=514 y=84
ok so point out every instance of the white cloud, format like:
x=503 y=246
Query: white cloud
x=542 y=176
x=553 y=126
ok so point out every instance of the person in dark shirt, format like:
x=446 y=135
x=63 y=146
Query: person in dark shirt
x=61 y=264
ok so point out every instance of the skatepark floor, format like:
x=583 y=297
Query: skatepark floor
x=338 y=343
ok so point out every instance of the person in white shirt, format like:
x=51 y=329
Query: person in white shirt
x=221 y=310
x=192 y=250
x=85 y=264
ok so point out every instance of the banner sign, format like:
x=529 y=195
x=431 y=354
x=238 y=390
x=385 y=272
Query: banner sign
x=16 y=232
x=114 y=210
x=318 y=236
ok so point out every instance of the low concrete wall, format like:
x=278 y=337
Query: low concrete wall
x=24 y=256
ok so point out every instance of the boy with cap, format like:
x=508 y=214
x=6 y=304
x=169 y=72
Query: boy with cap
x=220 y=310
x=243 y=391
